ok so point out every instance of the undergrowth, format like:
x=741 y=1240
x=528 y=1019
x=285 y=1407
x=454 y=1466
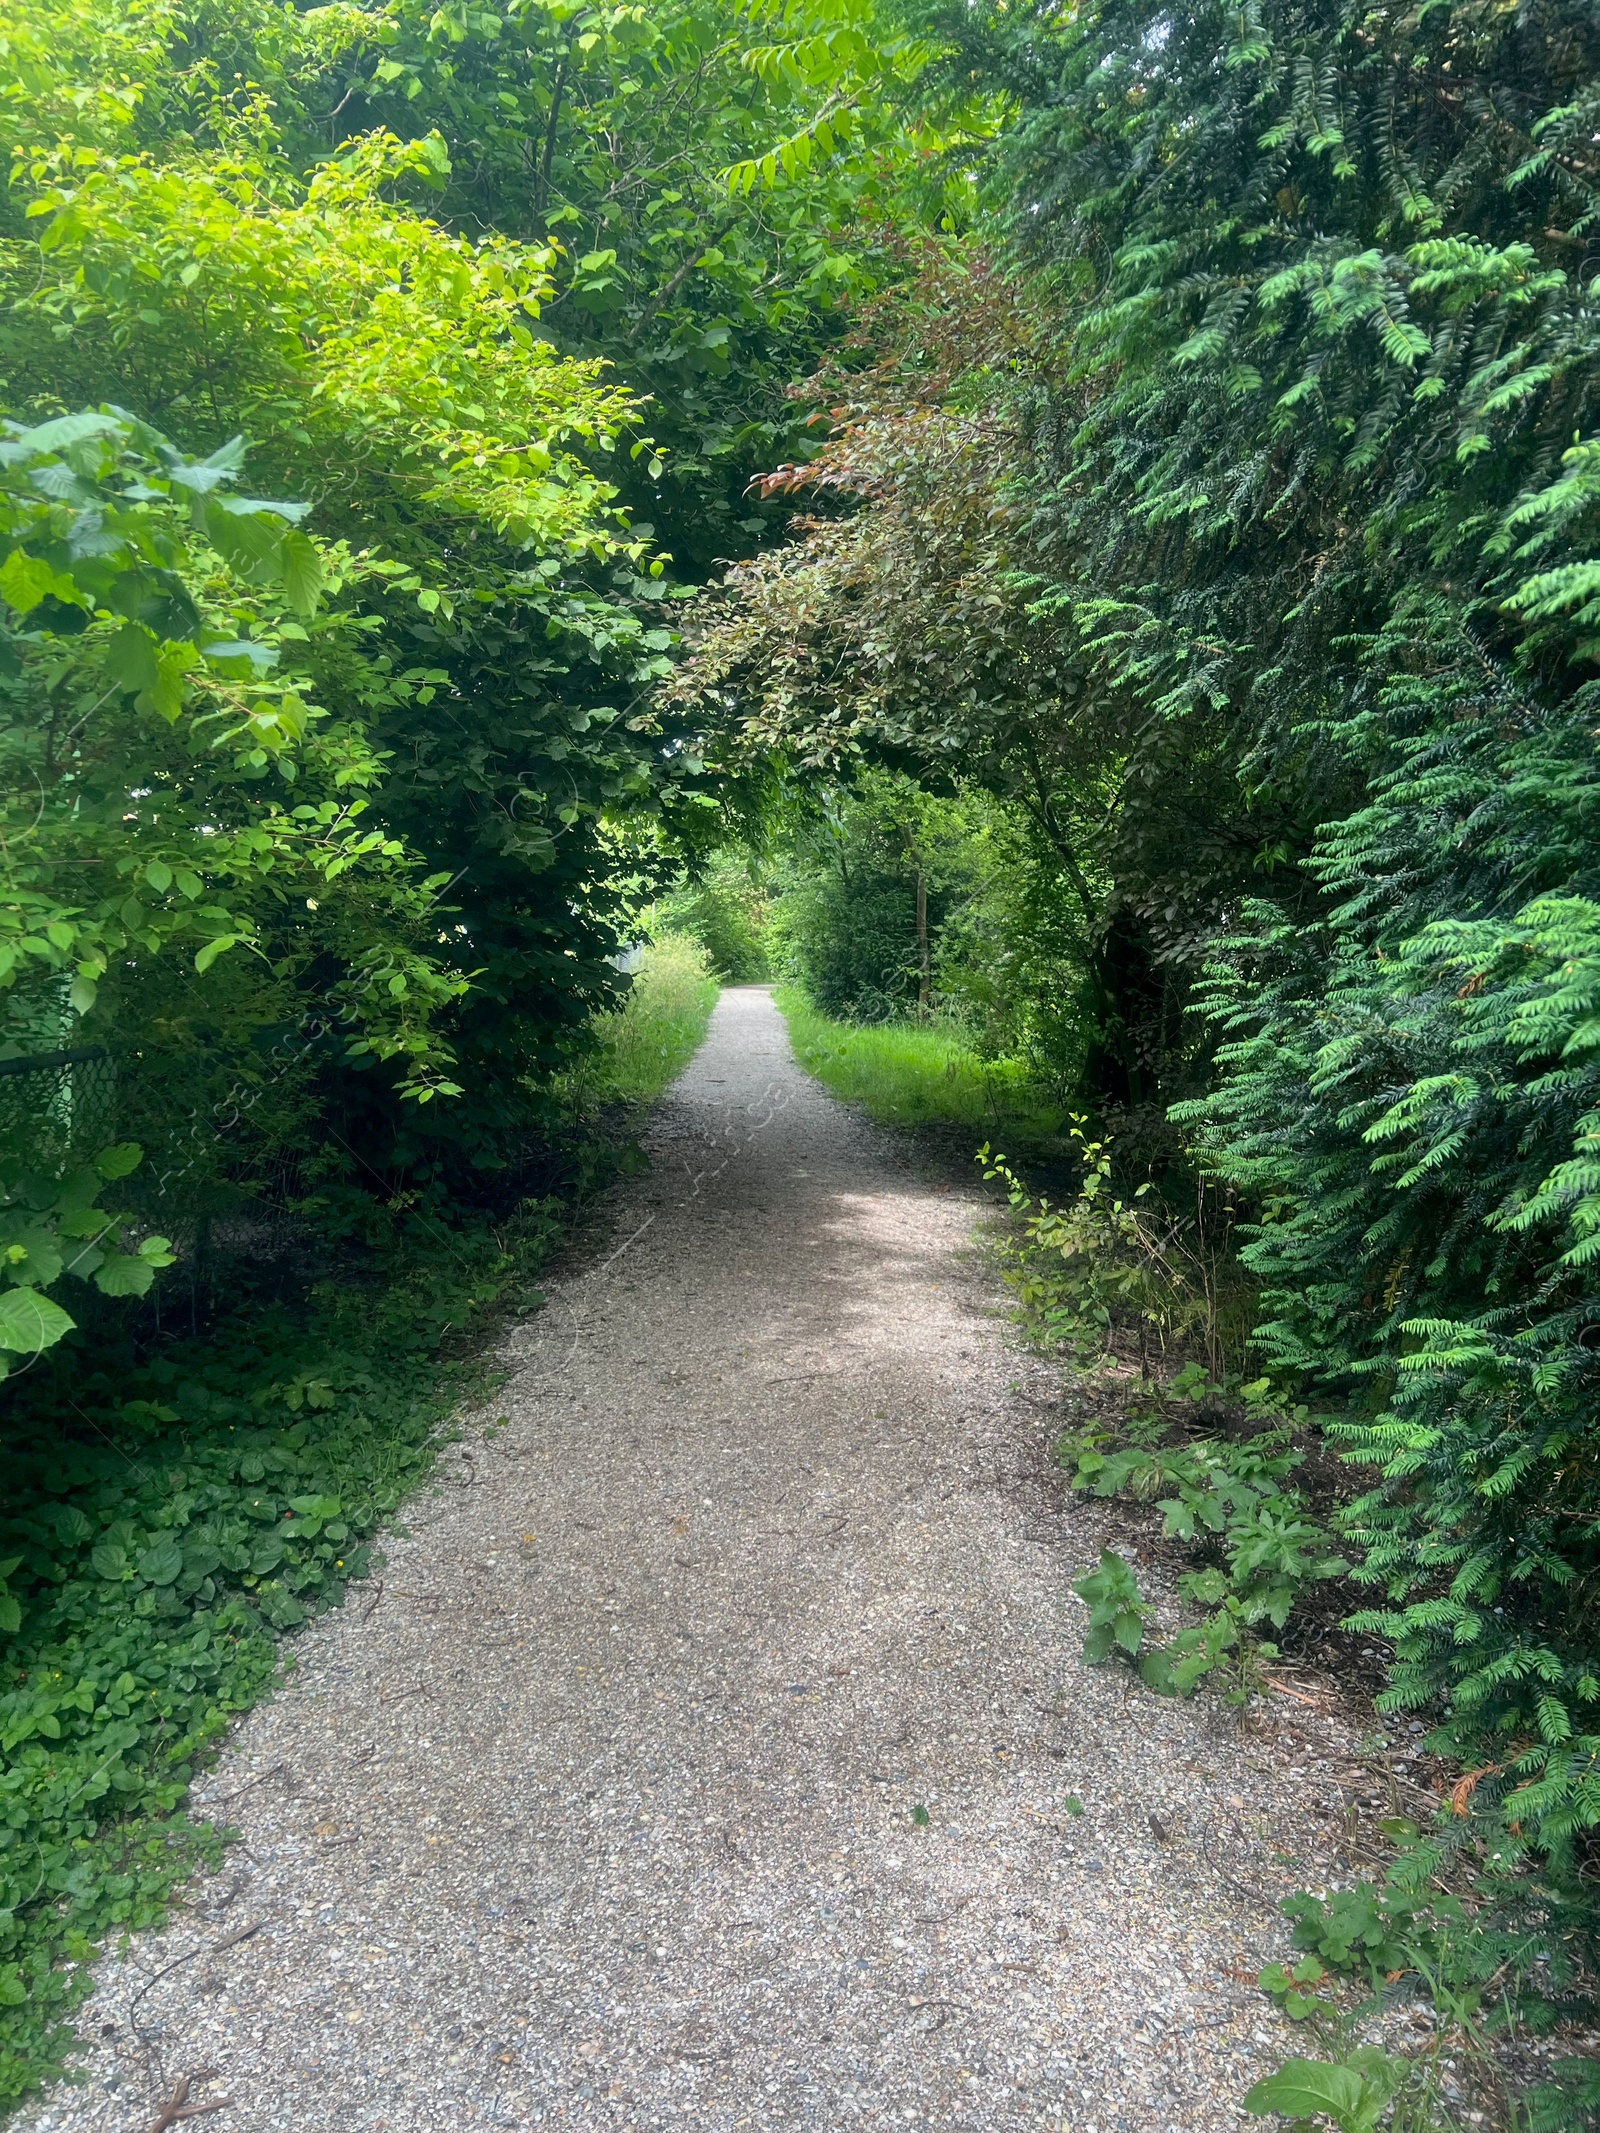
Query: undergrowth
x=917 y=1074
x=1491 y=1932
x=168 y=1520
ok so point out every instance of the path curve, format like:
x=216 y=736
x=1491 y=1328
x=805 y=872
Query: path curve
x=610 y=1812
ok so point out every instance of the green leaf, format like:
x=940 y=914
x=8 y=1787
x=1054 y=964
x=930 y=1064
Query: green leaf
x=119 y=1161
x=125 y=1275
x=241 y=654
x=300 y=566
x=62 y=430
x=315 y=1506
x=1155 y=1671
x=25 y=580
x=212 y=949
x=161 y=1564
x=30 y=1323
x=248 y=534
x=1310 y=2088
x=131 y=661
x=39 y=1263
x=109 y=1561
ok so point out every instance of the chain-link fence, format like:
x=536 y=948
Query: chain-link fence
x=258 y=1147
x=53 y=1105
x=225 y=1174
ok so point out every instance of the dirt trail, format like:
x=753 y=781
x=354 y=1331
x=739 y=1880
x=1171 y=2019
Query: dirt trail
x=705 y=1759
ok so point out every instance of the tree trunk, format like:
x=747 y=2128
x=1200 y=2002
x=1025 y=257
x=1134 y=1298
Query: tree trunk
x=924 y=961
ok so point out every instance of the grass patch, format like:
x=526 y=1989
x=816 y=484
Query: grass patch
x=646 y=1045
x=918 y=1074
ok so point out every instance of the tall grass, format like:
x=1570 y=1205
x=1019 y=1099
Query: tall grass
x=649 y=1041
x=916 y=1074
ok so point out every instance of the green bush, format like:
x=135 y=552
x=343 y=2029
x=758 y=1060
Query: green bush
x=852 y=943
x=728 y=913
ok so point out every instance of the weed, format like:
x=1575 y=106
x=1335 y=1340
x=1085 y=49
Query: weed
x=1107 y=1261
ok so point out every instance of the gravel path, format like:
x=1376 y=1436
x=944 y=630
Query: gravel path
x=706 y=1758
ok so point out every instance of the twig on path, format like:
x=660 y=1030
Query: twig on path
x=941 y=1918
x=1282 y=1688
x=210 y=1947
x=178 y=2106
x=371 y=1607
x=249 y=1784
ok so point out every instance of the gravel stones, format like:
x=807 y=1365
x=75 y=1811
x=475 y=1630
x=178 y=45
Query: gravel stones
x=704 y=1756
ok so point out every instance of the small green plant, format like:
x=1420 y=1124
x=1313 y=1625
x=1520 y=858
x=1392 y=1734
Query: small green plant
x=1100 y=1260
x=1222 y=1642
x=1236 y=1504
x=1359 y=1946
x=1292 y=1988
x=1353 y=2092
x=1373 y=1931
x=1117 y=1614
x=159 y=1534
x=1107 y=1260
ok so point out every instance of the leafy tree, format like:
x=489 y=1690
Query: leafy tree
x=171 y=798
x=390 y=373
x=902 y=628
x=1327 y=374
x=228 y=225
x=724 y=181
